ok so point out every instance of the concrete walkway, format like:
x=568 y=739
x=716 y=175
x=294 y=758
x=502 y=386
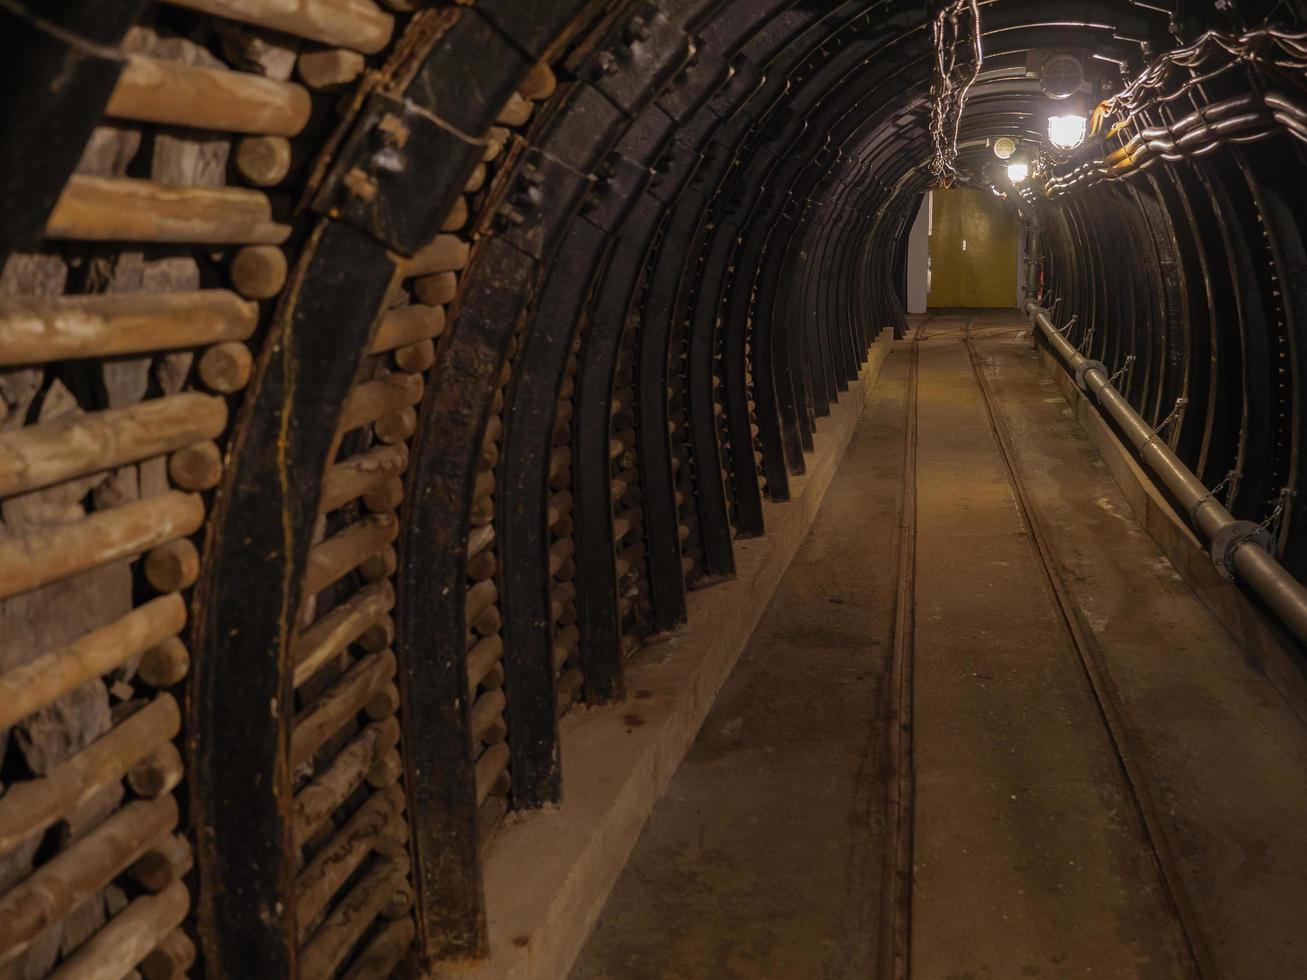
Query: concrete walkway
x=763 y=860
x=1028 y=859
x=1034 y=852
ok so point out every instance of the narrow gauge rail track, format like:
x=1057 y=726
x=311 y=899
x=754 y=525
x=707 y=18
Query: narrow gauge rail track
x=896 y=905
x=1105 y=693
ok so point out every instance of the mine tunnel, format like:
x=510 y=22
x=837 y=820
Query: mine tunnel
x=647 y=489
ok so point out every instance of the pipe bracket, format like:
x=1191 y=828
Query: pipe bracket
x=1084 y=368
x=1230 y=538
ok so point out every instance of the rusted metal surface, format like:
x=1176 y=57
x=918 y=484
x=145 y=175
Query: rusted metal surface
x=243 y=795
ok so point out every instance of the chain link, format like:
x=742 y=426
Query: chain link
x=954 y=77
x=1129 y=363
x=1085 y=344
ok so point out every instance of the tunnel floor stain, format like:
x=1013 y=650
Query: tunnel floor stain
x=1036 y=850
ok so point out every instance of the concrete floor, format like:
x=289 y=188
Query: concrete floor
x=1031 y=853
x=764 y=858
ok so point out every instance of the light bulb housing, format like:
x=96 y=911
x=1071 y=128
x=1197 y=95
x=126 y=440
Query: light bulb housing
x=1004 y=147
x=1017 y=172
x=1066 y=132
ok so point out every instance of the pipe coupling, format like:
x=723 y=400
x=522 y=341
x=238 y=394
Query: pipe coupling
x=1230 y=538
x=1083 y=368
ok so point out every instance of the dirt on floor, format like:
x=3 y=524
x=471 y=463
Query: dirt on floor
x=1046 y=842
x=764 y=858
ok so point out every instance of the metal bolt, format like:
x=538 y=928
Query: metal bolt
x=528 y=198
x=509 y=215
x=360 y=184
x=607 y=63
x=637 y=30
x=393 y=130
x=389 y=160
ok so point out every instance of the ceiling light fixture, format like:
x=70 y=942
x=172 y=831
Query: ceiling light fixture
x=1017 y=172
x=1066 y=132
x=1004 y=148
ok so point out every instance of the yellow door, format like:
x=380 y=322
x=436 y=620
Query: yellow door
x=973 y=250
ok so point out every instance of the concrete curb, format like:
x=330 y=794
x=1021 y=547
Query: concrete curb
x=549 y=873
x=1267 y=647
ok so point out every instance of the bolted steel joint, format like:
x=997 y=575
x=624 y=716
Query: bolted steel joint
x=509 y=217
x=528 y=193
x=388 y=160
x=528 y=198
x=637 y=30
x=1231 y=538
x=360 y=184
x=393 y=134
x=1084 y=368
x=605 y=64
x=393 y=130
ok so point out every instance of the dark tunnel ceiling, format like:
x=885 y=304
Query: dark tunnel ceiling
x=859 y=75
x=865 y=80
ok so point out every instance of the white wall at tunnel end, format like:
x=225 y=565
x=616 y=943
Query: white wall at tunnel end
x=919 y=258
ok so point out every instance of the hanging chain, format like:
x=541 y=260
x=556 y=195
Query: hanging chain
x=1225 y=485
x=957 y=26
x=1280 y=52
x=1175 y=415
x=1276 y=59
x=1129 y=363
x=1068 y=325
x=1272 y=523
x=1088 y=339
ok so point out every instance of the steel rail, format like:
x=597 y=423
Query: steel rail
x=1106 y=695
x=1237 y=547
x=895 y=951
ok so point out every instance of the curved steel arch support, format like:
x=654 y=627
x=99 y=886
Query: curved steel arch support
x=522 y=522
x=430 y=620
x=597 y=596
x=1283 y=205
x=256 y=553
x=1256 y=450
x=716 y=515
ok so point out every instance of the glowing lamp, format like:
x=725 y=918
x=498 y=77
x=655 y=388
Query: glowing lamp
x=1004 y=148
x=1017 y=172
x=1066 y=132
